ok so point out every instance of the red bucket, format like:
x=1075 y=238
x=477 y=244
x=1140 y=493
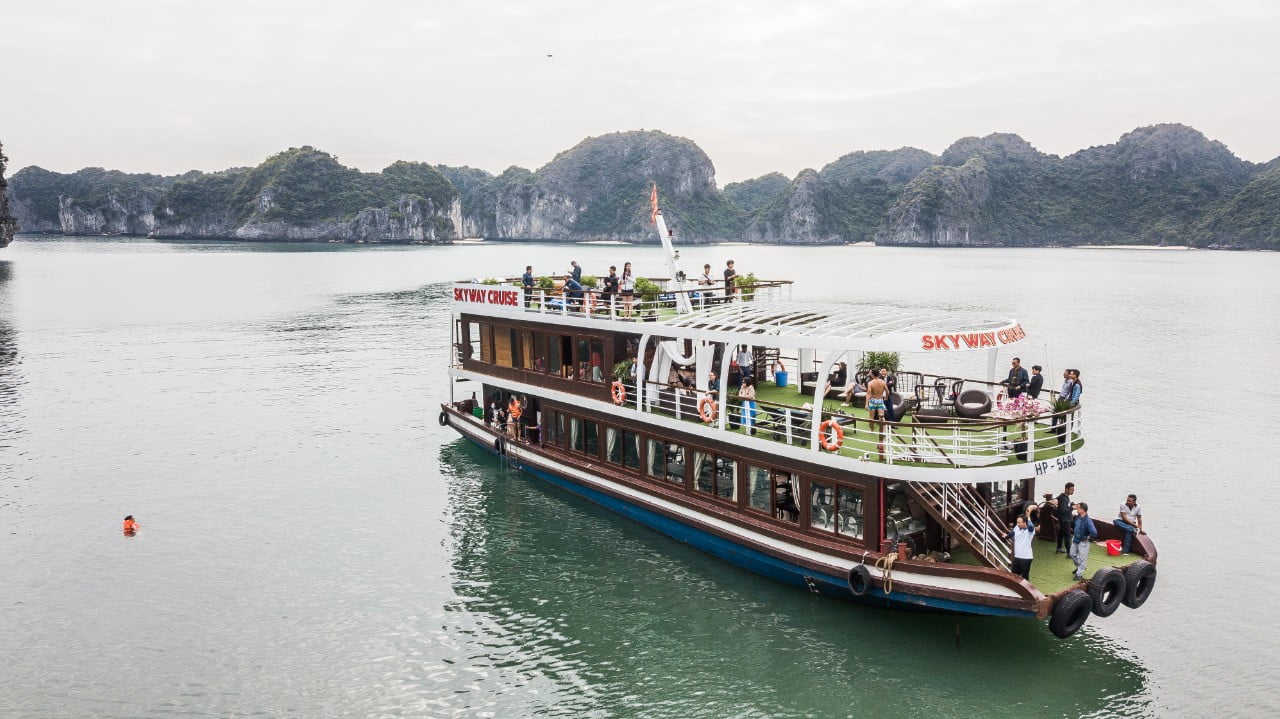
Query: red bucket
x=1113 y=547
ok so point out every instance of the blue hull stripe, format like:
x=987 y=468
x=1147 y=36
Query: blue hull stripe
x=754 y=560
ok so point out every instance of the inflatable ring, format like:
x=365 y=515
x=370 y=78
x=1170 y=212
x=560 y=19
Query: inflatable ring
x=444 y=419
x=859 y=580
x=619 y=392
x=833 y=444
x=707 y=409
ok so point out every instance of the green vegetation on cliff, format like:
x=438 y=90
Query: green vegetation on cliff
x=91 y=188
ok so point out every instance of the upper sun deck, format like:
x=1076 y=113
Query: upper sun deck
x=759 y=313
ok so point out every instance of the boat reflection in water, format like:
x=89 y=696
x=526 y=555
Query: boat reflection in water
x=593 y=614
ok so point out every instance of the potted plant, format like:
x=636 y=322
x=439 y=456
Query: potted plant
x=648 y=293
x=746 y=285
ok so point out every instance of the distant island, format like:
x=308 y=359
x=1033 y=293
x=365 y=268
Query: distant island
x=8 y=225
x=1157 y=185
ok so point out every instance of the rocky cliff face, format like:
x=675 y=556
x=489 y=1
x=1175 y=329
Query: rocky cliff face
x=8 y=225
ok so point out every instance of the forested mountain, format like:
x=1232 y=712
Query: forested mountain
x=1163 y=184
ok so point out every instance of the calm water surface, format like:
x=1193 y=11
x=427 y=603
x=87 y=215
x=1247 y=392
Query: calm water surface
x=313 y=544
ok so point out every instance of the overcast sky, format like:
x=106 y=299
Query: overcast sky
x=760 y=86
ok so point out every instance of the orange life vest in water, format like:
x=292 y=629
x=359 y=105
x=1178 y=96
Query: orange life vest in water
x=130 y=525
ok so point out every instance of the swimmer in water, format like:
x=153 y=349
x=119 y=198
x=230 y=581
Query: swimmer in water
x=130 y=526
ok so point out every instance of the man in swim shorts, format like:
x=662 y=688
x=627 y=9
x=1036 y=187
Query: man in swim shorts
x=877 y=391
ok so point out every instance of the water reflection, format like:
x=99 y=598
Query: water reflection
x=585 y=598
x=11 y=421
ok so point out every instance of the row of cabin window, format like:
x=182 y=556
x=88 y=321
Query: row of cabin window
x=833 y=508
x=568 y=356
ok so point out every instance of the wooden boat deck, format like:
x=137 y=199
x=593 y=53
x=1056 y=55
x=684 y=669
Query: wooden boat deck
x=1051 y=573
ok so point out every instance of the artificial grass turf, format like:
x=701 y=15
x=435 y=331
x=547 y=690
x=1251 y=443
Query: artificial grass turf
x=1051 y=572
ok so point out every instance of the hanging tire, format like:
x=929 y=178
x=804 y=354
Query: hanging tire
x=499 y=446
x=1070 y=613
x=444 y=419
x=1140 y=580
x=1106 y=589
x=859 y=580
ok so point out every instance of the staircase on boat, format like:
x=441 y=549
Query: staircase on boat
x=968 y=518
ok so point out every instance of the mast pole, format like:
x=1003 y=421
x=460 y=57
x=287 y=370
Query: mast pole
x=673 y=263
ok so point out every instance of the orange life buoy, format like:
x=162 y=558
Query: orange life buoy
x=619 y=392
x=833 y=444
x=707 y=409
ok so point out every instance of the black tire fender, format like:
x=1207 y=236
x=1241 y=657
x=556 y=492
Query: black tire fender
x=499 y=446
x=1106 y=589
x=859 y=580
x=1140 y=580
x=1070 y=613
x=444 y=419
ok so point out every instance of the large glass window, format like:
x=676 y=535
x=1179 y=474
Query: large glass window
x=656 y=458
x=554 y=363
x=675 y=463
x=576 y=435
x=526 y=350
x=849 y=512
x=759 y=489
x=822 y=506
x=583 y=355
x=553 y=432
x=472 y=348
x=597 y=360
x=540 y=362
x=715 y=475
x=591 y=431
x=486 y=343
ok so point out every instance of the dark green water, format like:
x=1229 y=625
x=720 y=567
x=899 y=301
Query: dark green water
x=313 y=544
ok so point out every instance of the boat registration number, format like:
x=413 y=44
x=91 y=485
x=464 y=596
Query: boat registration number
x=1057 y=464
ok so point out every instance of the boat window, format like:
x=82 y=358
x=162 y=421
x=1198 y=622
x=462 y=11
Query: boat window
x=591 y=431
x=597 y=360
x=553 y=432
x=565 y=358
x=613 y=445
x=540 y=352
x=784 y=497
x=657 y=457
x=759 y=489
x=486 y=343
x=675 y=463
x=526 y=350
x=583 y=356
x=472 y=348
x=716 y=475
x=822 y=506
x=576 y=437
x=502 y=346
x=553 y=354
x=631 y=450
x=849 y=512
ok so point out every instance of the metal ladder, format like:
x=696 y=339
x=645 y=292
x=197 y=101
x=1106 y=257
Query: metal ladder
x=969 y=519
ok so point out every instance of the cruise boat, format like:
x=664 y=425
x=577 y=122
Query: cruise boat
x=634 y=403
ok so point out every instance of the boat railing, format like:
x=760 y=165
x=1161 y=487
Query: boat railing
x=646 y=306
x=957 y=443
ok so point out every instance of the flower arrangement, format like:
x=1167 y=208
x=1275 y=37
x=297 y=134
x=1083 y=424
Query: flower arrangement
x=1021 y=407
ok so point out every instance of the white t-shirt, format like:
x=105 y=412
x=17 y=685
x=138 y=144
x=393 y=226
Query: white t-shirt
x=1022 y=542
x=1135 y=512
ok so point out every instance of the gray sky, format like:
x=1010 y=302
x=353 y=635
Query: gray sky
x=760 y=86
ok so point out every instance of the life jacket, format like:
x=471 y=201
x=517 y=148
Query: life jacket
x=513 y=409
x=130 y=525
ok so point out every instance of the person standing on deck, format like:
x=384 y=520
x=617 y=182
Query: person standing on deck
x=1085 y=533
x=877 y=393
x=526 y=281
x=577 y=271
x=1037 y=382
x=1130 y=521
x=1022 y=536
x=1017 y=380
x=1069 y=392
x=627 y=286
x=747 y=395
x=730 y=277
x=610 y=288
x=1066 y=514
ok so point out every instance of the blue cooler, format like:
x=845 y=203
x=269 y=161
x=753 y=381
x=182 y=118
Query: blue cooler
x=780 y=378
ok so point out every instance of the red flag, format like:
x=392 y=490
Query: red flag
x=653 y=200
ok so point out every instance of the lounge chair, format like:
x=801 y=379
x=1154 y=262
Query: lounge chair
x=973 y=403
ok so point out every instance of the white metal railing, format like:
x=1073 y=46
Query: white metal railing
x=647 y=306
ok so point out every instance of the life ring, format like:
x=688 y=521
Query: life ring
x=1070 y=613
x=1139 y=580
x=619 y=392
x=499 y=446
x=707 y=409
x=859 y=580
x=443 y=419
x=831 y=445
x=1106 y=589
